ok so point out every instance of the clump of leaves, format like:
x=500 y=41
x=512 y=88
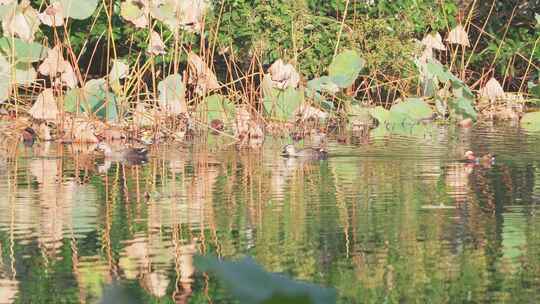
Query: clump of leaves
x=452 y=96
x=387 y=47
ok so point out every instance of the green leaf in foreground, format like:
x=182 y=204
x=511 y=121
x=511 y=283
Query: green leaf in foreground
x=250 y=283
x=78 y=9
x=531 y=121
x=23 y=51
x=345 y=68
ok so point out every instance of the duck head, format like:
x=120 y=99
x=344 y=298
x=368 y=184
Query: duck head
x=469 y=155
x=104 y=147
x=488 y=159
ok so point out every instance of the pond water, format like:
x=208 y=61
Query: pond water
x=384 y=220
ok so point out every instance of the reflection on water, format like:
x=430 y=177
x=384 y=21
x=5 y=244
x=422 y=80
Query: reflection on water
x=391 y=219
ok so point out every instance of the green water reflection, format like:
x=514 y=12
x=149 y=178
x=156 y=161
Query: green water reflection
x=367 y=221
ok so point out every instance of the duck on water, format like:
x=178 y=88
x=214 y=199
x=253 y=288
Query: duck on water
x=488 y=159
x=128 y=155
x=307 y=153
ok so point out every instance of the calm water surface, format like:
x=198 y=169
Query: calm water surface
x=389 y=220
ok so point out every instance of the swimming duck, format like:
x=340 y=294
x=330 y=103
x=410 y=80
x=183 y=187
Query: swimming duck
x=29 y=136
x=312 y=153
x=129 y=155
x=217 y=125
x=486 y=160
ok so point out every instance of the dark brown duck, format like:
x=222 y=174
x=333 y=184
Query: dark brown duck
x=309 y=153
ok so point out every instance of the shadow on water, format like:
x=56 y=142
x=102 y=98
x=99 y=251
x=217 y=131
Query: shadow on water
x=390 y=219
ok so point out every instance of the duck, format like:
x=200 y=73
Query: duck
x=217 y=126
x=129 y=155
x=29 y=136
x=486 y=160
x=318 y=153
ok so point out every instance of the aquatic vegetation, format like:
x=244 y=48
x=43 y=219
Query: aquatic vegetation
x=163 y=63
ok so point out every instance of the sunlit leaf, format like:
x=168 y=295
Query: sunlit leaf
x=415 y=108
x=380 y=114
x=281 y=104
x=136 y=12
x=5 y=78
x=217 y=107
x=459 y=89
x=187 y=14
x=119 y=70
x=323 y=84
x=437 y=69
x=345 y=68
x=7 y=7
x=94 y=98
x=23 y=74
x=172 y=93
x=403 y=115
x=165 y=12
x=79 y=9
x=23 y=51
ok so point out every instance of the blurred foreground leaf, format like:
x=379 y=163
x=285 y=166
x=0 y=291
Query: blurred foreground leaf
x=250 y=283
